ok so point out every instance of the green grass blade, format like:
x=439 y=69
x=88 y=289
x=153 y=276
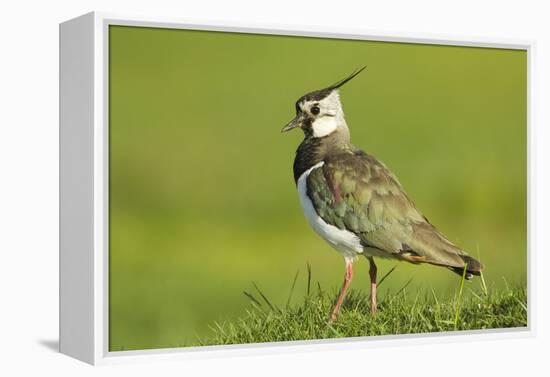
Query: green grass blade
x=252 y=298
x=482 y=278
x=457 y=311
x=308 y=278
x=271 y=306
x=386 y=275
x=292 y=289
x=403 y=287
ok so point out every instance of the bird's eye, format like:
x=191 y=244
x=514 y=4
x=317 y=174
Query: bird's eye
x=315 y=110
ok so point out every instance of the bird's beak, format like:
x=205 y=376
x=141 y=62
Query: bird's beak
x=296 y=122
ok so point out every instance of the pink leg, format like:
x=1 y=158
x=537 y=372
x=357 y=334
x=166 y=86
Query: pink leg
x=372 y=273
x=347 y=280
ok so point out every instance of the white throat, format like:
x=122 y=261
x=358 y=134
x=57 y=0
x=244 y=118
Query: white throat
x=325 y=126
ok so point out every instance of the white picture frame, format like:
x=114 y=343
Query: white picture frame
x=84 y=196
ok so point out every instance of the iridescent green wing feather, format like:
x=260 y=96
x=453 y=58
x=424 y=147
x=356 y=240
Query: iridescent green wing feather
x=356 y=192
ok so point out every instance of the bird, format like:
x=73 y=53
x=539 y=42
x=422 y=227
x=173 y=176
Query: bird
x=355 y=203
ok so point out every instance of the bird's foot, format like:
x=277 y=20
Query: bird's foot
x=373 y=306
x=333 y=317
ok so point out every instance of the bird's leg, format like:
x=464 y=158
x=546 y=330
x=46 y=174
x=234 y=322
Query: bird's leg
x=372 y=273
x=347 y=280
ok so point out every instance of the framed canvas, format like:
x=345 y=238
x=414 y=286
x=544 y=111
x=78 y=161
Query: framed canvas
x=192 y=227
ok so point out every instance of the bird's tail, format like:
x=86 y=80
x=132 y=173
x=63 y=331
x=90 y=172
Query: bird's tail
x=436 y=249
x=472 y=266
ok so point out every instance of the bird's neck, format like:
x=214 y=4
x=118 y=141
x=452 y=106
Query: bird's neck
x=313 y=150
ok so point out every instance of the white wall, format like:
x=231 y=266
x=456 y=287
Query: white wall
x=29 y=184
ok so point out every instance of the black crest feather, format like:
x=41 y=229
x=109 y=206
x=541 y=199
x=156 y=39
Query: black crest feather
x=320 y=94
x=343 y=81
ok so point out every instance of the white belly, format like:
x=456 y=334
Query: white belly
x=344 y=241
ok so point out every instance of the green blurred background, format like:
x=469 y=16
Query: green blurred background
x=202 y=200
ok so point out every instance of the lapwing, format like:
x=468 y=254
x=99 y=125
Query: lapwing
x=355 y=203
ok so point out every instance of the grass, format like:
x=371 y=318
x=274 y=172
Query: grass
x=400 y=312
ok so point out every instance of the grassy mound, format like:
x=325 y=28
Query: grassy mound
x=400 y=313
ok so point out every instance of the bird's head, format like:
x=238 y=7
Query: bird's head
x=319 y=113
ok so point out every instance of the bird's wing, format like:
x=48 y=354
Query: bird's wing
x=356 y=192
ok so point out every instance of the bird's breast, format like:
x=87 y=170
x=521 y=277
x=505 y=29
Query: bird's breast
x=344 y=241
